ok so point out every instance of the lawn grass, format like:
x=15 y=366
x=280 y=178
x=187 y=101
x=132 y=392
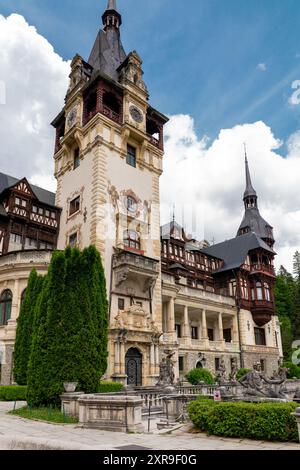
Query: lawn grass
x=50 y=415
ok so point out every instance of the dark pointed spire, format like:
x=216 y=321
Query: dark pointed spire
x=108 y=53
x=250 y=191
x=252 y=220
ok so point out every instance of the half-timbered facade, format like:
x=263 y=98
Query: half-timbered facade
x=29 y=224
x=218 y=301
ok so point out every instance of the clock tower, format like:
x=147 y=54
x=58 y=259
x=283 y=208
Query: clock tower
x=108 y=161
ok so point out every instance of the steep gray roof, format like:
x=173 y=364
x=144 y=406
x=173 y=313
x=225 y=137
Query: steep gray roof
x=42 y=195
x=108 y=53
x=234 y=252
x=255 y=222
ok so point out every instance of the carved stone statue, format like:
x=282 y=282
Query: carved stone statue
x=221 y=372
x=257 y=384
x=166 y=370
x=253 y=382
x=234 y=371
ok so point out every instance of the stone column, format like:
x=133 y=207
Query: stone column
x=235 y=329
x=152 y=359
x=171 y=316
x=15 y=302
x=204 y=325
x=220 y=323
x=117 y=357
x=186 y=325
x=122 y=357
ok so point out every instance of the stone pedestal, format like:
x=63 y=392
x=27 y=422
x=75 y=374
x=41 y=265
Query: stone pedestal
x=297 y=416
x=111 y=413
x=69 y=403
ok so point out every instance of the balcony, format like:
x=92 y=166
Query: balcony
x=132 y=266
x=111 y=114
x=262 y=311
x=259 y=268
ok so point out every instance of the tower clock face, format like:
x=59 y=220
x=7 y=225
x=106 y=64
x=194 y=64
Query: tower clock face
x=136 y=114
x=72 y=117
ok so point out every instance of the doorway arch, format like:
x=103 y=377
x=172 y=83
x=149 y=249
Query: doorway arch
x=133 y=361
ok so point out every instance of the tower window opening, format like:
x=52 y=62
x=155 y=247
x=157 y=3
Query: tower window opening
x=91 y=103
x=111 y=102
x=131 y=156
x=152 y=129
x=76 y=158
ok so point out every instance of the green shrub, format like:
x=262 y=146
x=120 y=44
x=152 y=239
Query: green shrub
x=241 y=372
x=110 y=387
x=261 y=421
x=294 y=370
x=195 y=376
x=13 y=393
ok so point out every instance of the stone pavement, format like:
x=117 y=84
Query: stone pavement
x=19 y=433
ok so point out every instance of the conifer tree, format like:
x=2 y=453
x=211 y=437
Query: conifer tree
x=71 y=328
x=25 y=324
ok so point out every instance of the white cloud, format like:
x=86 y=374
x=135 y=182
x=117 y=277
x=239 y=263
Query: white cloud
x=35 y=81
x=262 y=67
x=211 y=178
x=207 y=177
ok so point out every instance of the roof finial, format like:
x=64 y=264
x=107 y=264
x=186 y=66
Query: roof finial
x=245 y=147
x=174 y=207
x=111 y=5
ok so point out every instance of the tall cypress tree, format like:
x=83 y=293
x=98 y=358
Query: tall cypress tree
x=47 y=353
x=71 y=329
x=25 y=325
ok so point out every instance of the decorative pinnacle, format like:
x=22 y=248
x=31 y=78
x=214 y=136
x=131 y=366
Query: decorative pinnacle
x=112 y=5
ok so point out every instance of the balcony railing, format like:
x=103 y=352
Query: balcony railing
x=259 y=268
x=111 y=114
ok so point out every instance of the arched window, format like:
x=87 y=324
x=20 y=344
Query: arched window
x=5 y=307
x=267 y=292
x=132 y=239
x=259 y=294
x=23 y=296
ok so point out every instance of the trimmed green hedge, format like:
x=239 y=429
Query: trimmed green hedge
x=13 y=393
x=110 y=387
x=195 y=376
x=261 y=421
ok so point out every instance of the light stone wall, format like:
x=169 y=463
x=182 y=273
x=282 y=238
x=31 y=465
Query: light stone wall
x=15 y=269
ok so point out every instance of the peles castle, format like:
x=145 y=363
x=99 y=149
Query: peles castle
x=166 y=291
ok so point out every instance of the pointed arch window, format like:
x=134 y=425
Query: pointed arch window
x=132 y=239
x=5 y=306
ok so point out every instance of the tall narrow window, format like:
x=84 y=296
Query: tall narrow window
x=260 y=336
x=178 y=330
x=267 y=292
x=132 y=239
x=210 y=334
x=259 y=294
x=74 y=205
x=131 y=156
x=76 y=158
x=5 y=307
x=194 y=332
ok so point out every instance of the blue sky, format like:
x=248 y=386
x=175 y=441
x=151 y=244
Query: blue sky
x=200 y=56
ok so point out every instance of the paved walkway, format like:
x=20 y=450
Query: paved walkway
x=19 y=433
